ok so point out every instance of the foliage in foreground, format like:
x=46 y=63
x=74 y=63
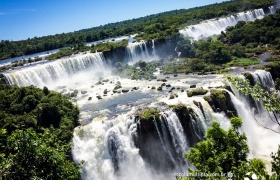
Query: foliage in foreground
x=36 y=128
x=224 y=151
x=269 y=98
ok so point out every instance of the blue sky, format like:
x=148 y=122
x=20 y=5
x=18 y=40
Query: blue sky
x=22 y=19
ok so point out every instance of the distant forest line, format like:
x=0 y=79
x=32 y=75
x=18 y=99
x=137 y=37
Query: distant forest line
x=158 y=26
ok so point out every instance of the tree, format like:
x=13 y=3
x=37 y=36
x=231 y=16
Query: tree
x=186 y=47
x=36 y=128
x=213 y=52
x=224 y=152
x=276 y=164
x=269 y=98
x=33 y=158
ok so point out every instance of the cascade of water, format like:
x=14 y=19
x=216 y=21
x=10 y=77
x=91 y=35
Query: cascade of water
x=261 y=141
x=177 y=134
x=264 y=78
x=154 y=48
x=46 y=73
x=164 y=142
x=211 y=27
x=109 y=152
x=272 y=9
x=139 y=51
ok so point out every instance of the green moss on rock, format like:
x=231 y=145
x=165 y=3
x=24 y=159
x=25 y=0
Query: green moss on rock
x=196 y=92
x=249 y=77
x=147 y=117
x=220 y=100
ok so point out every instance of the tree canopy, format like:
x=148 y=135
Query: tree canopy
x=36 y=128
x=158 y=26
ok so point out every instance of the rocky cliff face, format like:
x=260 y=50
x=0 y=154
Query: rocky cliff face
x=162 y=48
x=220 y=100
x=149 y=142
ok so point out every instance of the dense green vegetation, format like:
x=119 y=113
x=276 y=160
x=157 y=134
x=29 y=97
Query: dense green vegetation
x=223 y=152
x=36 y=129
x=158 y=26
x=60 y=54
x=108 y=46
x=244 y=62
x=239 y=46
x=140 y=70
x=259 y=32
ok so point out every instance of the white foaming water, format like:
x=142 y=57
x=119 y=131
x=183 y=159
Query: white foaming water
x=138 y=51
x=106 y=143
x=211 y=27
x=177 y=133
x=262 y=142
x=58 y=71
x=109 y=151
x=272 y=9
x=264 y=78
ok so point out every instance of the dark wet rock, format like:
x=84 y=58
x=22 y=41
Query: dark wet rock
x=192 y=127
x=83 y=92
x=76 y=91
x=89 y=98
x=168 y=85
x=118 y=86
x=105 y=80
x=220 y=100
x=192 y=86
x=175 y=75
x=98 y=83
x=148 y=140
x=99 y=97
x=105 y=91
x=249 y=77
x=125 y=90
x=163 y=84
x=135 y=88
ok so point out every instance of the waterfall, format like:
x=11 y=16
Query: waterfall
x=164 y=142
x=272 y=9
x=176 y=131
x=139 y=51
x=261 y=141
x=108 y=149
x=264 y=78
x=47 y=73
x=211 y=27
x=154 y=48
